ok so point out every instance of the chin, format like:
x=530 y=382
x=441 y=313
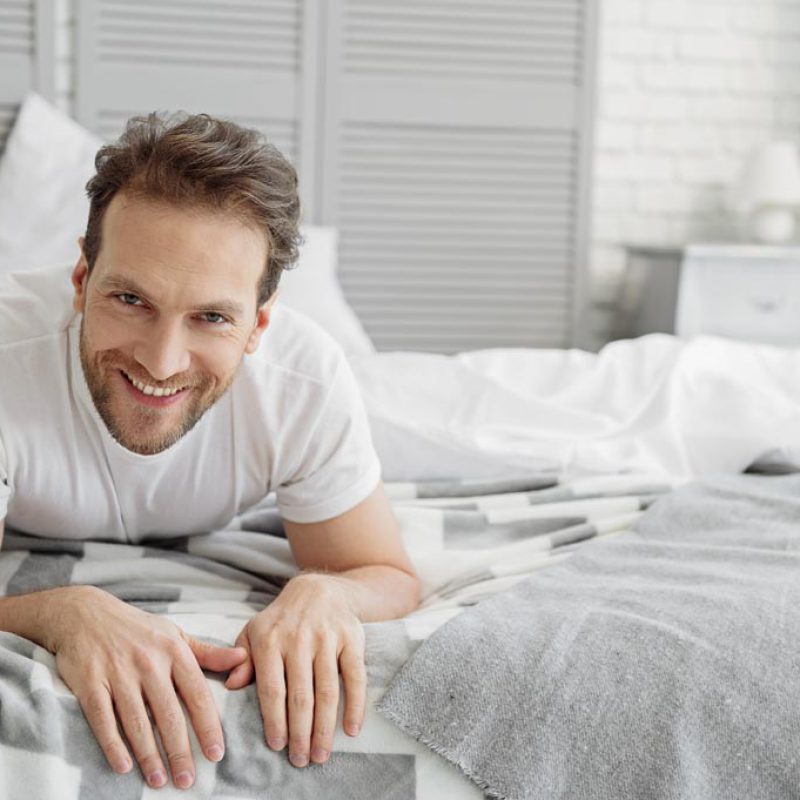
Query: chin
x=149 y=446
x=145 y=448
x=142 y=433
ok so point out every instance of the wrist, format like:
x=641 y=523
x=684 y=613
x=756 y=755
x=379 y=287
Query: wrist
x=333 y=587
x=41 y=616
x=58 y=616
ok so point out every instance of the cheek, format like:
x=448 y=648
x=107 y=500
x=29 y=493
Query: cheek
x=107 y=332
x=219 y=358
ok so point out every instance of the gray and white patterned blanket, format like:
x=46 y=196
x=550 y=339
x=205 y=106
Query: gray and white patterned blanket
x=468 y=542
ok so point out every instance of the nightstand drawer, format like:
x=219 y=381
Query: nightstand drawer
x=756 y=297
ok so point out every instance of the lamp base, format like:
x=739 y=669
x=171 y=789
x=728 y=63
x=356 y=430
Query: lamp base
x=773 y=225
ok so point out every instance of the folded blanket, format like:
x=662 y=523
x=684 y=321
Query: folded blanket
x=664 y=663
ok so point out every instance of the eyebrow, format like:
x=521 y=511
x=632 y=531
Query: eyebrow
x=127 y=285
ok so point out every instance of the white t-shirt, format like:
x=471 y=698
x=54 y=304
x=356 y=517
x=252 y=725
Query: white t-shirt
x=292 y=422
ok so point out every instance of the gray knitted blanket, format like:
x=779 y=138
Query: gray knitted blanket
x=664 y=663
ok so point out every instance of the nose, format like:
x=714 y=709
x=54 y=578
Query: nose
x=163 y=350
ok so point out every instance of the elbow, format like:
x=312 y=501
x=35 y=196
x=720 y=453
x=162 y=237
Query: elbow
x=414 y=590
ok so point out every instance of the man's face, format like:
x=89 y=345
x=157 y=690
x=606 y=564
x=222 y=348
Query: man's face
x=170 y=305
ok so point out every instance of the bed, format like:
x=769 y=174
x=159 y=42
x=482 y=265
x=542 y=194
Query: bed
x=538 y=493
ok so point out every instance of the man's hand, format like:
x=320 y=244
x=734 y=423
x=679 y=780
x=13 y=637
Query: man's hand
x=115 y=656
x=297 y=645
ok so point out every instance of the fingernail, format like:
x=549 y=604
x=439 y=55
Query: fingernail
x=319 y=755
x=299 y=759
x=353 y=729
x=277 y=743
x=157 y=778
x=184 y=780
x=215 y=752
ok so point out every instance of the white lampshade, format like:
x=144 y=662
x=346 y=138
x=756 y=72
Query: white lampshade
x=771 y=178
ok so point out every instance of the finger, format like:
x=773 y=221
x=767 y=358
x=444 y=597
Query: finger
x=326 y=702
x=242 y=675
x=193 y=687
x=217 y=659
x=300 y=700
x=271 y=688
x=354 y=678
x=171 y=724
x=137 y=727
x=99 y=711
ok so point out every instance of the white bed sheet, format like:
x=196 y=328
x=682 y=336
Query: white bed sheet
x=657 y=404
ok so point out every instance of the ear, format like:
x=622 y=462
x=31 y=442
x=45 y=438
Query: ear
x=262 y=321
x=80 y=277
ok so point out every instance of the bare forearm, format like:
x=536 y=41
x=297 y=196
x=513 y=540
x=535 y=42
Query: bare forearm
x=377 y=593
x=34 y=616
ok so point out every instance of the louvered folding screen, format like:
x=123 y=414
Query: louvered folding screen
x=449 y=141
x=456 y=164
x=241 y=59
x=26 y=55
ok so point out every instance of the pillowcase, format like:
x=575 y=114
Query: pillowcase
x=43 y=210
x=43 y=173
x=313 y=288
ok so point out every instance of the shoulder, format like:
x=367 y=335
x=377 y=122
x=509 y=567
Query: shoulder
x=35 y=304
x=297 y=348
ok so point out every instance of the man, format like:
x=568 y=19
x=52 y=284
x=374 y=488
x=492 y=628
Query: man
x=168 y=396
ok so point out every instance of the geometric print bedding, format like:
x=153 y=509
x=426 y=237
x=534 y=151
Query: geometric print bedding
x=467 y=540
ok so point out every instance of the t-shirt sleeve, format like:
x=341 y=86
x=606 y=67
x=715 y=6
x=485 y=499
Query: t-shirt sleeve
x=5 y=490
x=337 y=467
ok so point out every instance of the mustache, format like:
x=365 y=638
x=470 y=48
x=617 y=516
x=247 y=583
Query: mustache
x=112 y=359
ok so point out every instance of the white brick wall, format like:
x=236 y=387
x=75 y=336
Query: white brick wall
x=685 y=90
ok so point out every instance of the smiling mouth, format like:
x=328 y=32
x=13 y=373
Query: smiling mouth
x=152 y=391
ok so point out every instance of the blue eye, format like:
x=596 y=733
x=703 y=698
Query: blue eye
x=218 y=319
x=128 y=299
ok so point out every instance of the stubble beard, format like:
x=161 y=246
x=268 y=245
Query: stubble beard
x=138 y=433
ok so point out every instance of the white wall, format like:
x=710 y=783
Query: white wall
x=685 y=90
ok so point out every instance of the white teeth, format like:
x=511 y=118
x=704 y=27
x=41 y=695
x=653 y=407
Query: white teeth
x=151 y=390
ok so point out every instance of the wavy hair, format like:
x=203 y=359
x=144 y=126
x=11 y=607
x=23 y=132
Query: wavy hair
x=199 y=161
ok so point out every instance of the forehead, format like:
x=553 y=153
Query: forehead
x=180 y=250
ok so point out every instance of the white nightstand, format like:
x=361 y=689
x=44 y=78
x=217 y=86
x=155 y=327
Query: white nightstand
x=742 y=291
x=749 y=292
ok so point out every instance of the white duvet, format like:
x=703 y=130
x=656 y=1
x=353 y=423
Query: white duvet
x=657 y=404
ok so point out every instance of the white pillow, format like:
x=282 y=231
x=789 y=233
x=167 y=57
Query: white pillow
x=43 y=173
x=43 y=210
x=313 y=288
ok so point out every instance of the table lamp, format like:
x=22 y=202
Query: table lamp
x=769 y=191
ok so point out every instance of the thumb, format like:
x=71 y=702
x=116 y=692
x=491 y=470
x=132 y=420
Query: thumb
x=217 y=659
x=241 y=676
